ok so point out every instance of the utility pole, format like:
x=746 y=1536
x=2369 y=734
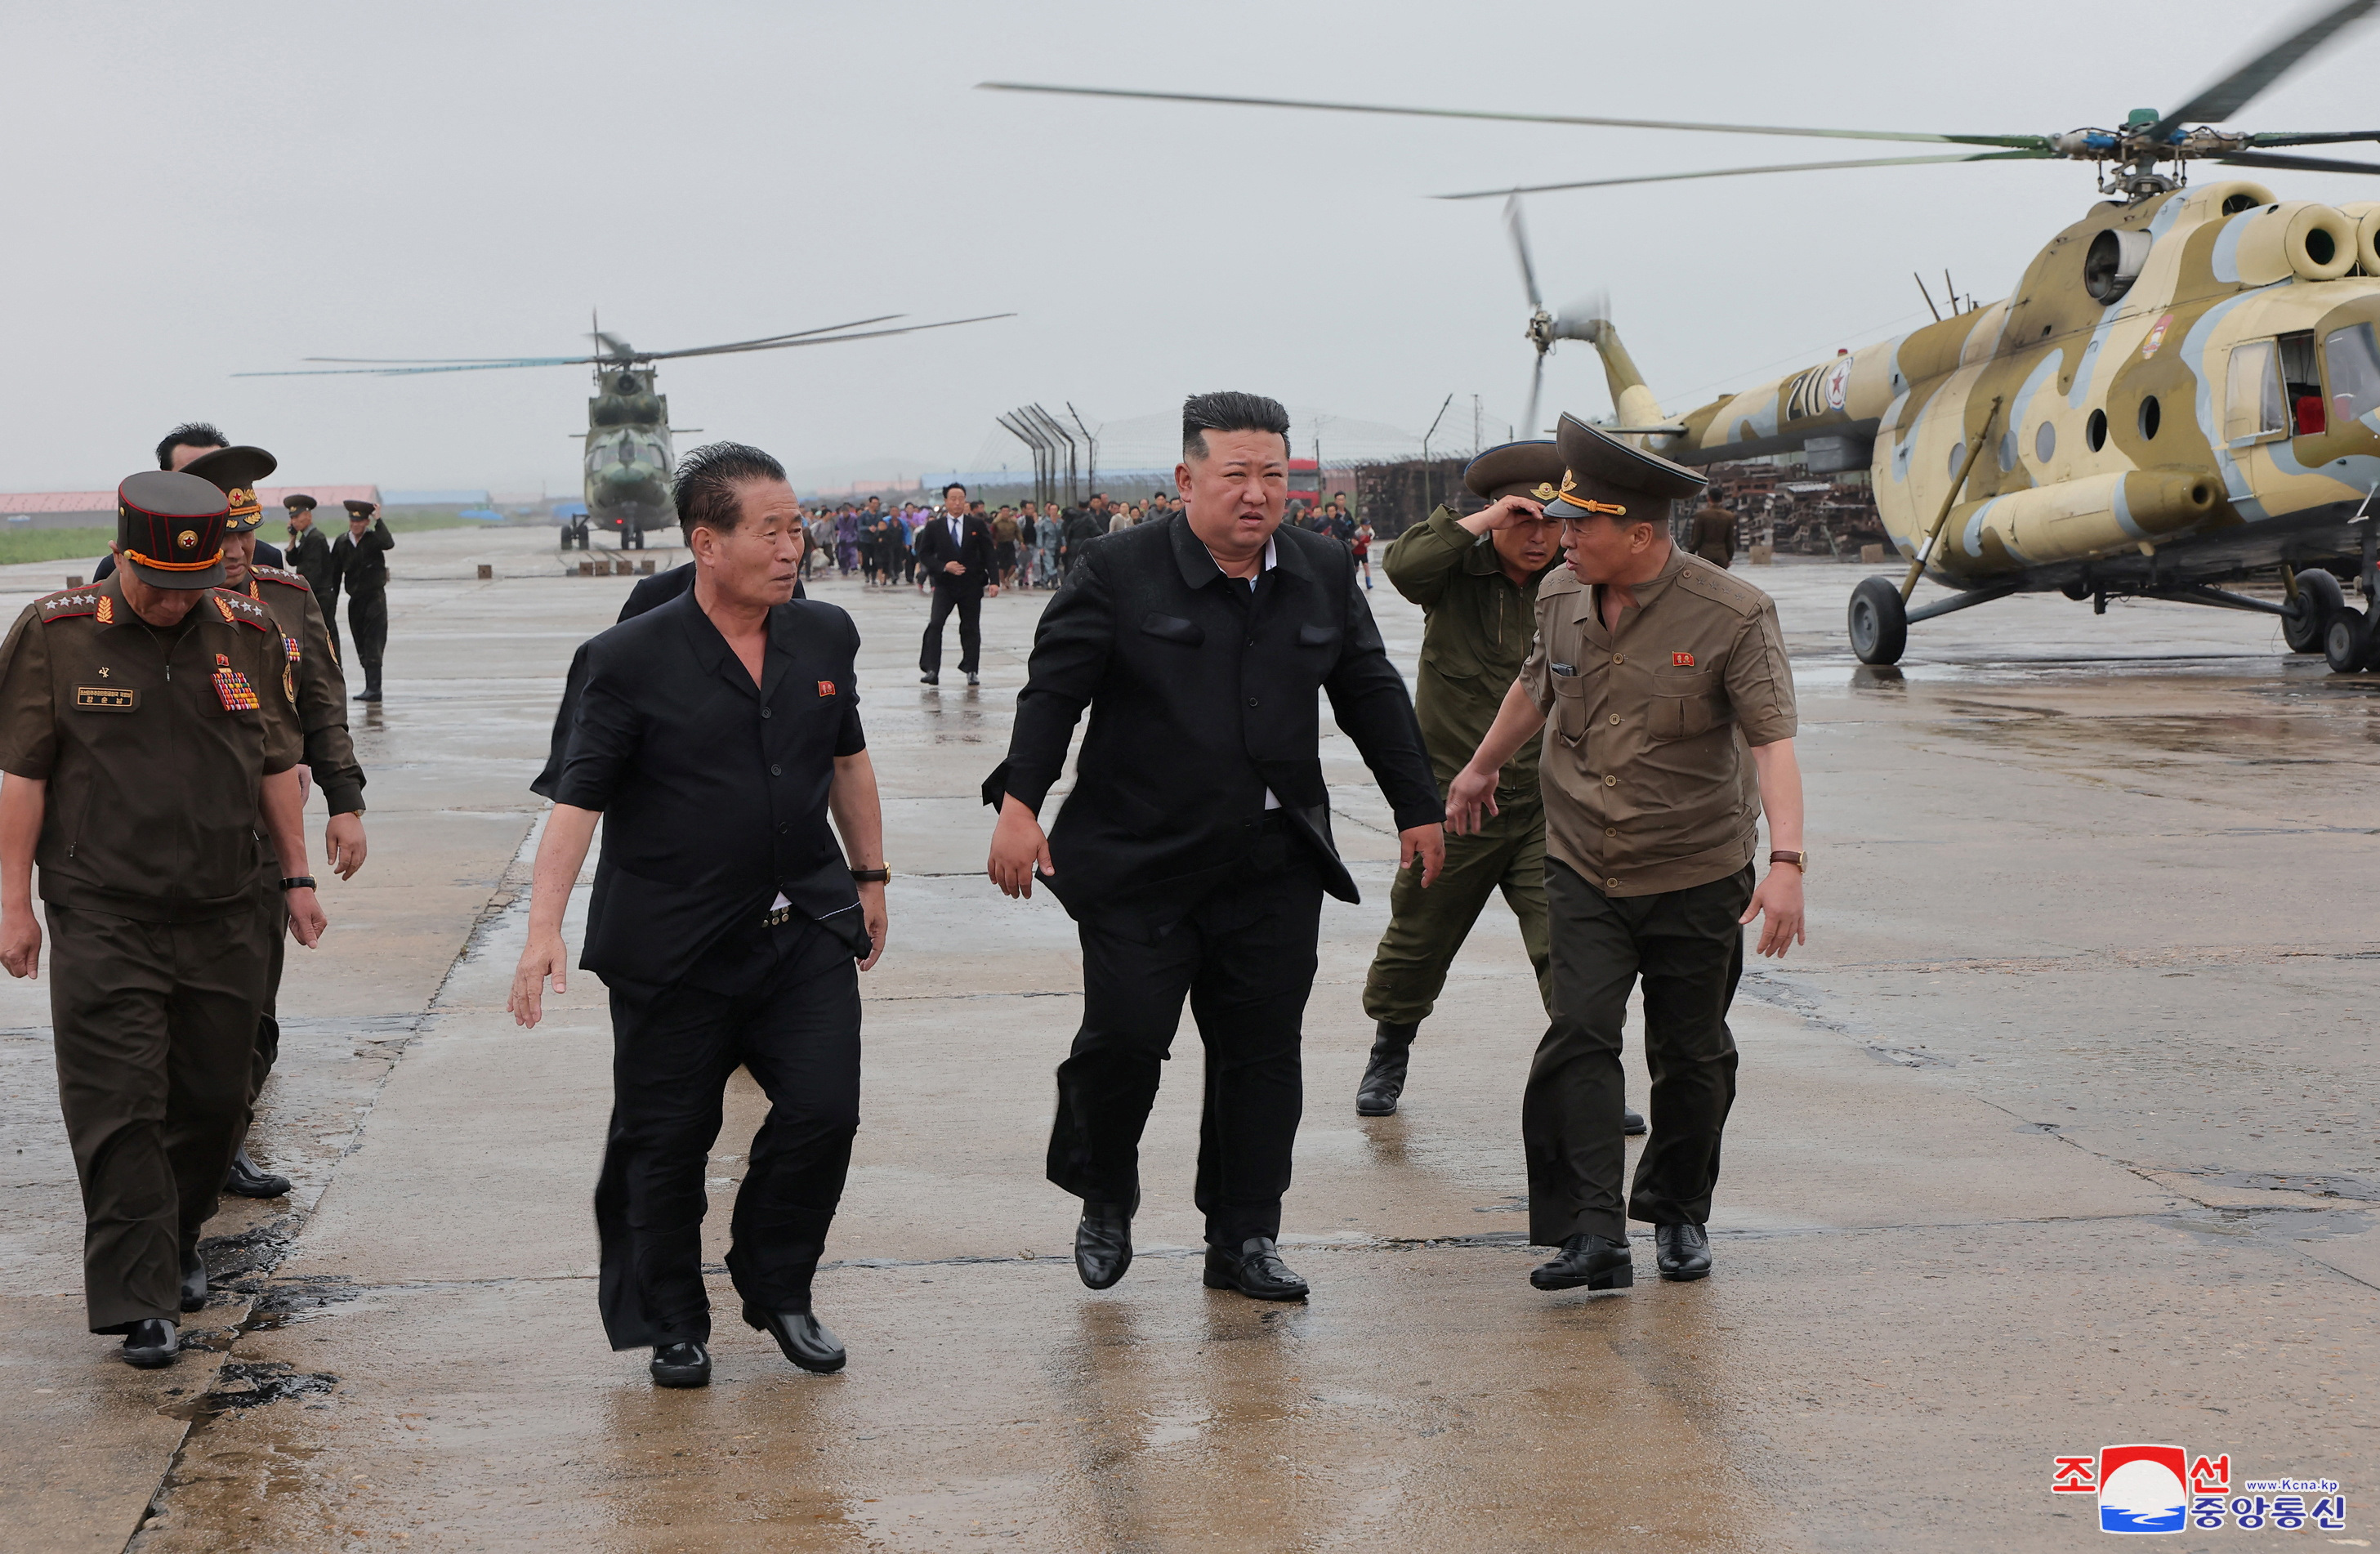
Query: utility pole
x=1425 y=453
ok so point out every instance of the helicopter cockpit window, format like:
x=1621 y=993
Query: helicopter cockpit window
x=2253 y=406
x=606 y=456
x=2354 y=357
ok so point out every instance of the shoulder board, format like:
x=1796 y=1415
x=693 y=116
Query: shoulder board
x=74 y=601
x=239 y=609
x=281 y=574
x=1723 y=587
x=1560 y=581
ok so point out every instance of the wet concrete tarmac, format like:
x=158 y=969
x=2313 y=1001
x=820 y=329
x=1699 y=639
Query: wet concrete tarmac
x=1999 y=1188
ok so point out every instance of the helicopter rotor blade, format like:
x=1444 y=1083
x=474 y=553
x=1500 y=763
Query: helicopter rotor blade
x=2298 y=164
x=1537 y=381
x=2026 y=141
x=823 y=339
x=2235 y=90
x=1519 y=231
x=392 y=370
x=396 y=367
x=767 y=339
x=2313 y=138
x=1739 y=171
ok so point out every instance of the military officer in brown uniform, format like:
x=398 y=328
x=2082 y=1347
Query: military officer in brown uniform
x=1477 y=581
x=1713 y=537
x=152 y=704
x=312 y=680
x=1667 y=704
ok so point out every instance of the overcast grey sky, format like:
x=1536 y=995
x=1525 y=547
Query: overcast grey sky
x=196 y=190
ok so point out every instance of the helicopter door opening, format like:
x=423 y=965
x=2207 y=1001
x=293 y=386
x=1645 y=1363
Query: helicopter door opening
x=2254 y=410
x=2354 y=356
x=2302 y=382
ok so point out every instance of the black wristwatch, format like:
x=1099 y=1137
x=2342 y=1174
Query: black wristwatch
x=880 y=875
x=298 y=883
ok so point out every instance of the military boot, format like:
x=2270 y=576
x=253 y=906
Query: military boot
x=372 y=684
x=1384 y=1076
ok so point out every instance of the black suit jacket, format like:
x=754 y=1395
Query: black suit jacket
x=310 y=557
x=363 y=568
x=650 y=593
x=713 y=790
x=974 y=553
x=1202 y=695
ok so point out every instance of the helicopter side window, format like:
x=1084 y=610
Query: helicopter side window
x=2355 y=358
x=2301 y=379
x=2255 y=408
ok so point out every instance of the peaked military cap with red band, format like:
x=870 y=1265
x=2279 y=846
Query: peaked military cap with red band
x=1602 y=474
x=235 y=471
x=169 y=525
x=1530 y=470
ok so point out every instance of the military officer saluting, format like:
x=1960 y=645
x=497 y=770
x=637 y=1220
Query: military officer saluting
x=360 y=558
x=1476 y=581
x=147 y=741
x=312 y=682
x=1661 y=684
x=309 y=556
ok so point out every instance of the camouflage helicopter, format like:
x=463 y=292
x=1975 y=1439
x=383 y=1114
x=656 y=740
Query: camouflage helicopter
x=2183 y=389
x=629 y=453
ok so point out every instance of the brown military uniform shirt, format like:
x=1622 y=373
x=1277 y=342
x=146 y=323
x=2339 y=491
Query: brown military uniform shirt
x=154 y=744
x=312 y=679
x=1648 y=785
x=1714 y=536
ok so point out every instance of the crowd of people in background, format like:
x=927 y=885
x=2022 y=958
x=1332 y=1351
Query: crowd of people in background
x=1034 y=544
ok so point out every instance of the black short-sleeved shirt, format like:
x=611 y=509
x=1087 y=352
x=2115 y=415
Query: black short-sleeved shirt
x=713 y=790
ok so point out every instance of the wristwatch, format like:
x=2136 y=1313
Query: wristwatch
x=1799 y=860
x=880 y=875
x=298 y=883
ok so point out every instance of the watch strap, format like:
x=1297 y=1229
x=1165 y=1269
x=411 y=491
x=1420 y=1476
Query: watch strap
x=1799 y=860
x=880 y=875
x=300 y=883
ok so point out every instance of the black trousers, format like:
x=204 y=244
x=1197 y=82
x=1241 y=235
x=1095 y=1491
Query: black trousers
x=368 y=625
x=784 y=1003
x=155 y=1029
x=969 y=602
x=1244 y=957
x=1688 y=949
x=328 y=601
x=272 y=930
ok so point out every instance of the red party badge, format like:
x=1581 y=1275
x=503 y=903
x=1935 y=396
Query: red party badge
x=1681 y=660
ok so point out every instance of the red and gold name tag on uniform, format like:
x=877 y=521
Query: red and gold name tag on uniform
x=826 y=688
x=234 y=691
x=1681 y=660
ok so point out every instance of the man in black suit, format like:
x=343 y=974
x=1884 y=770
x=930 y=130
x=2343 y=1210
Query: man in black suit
x=714 y=737
x=1195 y=849
x=955 y=549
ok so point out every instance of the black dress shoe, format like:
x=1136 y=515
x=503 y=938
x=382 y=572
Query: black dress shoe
x=681 y=1365
x=803 y=1337
x=1103 y=1242
x=1255 y=1270
x=152 y=1342
x=1631 y=1122
x=1384 y=1076
x=194 y=1282
x=247 y=1181
x=974 y=680
x=1683 y=1252
x=930 y=678
x=1596 y=1261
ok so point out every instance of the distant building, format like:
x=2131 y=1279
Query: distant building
x=95 y=509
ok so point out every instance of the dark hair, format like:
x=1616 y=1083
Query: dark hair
x=707 y=478
x=190 y=434
x=1228 y=411
x=952 y=487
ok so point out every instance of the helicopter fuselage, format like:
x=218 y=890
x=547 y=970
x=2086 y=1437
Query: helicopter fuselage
x=628 y=456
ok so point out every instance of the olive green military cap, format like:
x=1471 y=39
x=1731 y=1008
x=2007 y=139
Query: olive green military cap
x=1602 y=474
x=1531 y=469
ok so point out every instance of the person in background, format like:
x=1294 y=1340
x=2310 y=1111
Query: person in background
x=310 y=557
x=1713 y=535
x=955 y=549
x=1003 y=545
x=1083 y=526
x=360 y=557
x=1362 y=549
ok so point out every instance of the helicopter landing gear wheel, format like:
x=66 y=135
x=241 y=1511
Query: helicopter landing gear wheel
x=1879 y=622
x=2318 y=601
x=2347 y=643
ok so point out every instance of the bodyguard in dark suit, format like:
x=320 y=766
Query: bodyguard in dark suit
x=713 y=737
x=1196 y=848
x=955 y=549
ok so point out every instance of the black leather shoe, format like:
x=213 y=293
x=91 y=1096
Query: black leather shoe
x=194 y=1282
x=974 y=680
x=151 y=1343
x=1596 y=1261
x=247 y=1181
x=681 y=1365
x=803 y=1337
x=1683 y=1252
x=1255 y=1270
x=930 y=678
x=1384 y=1076
x=1631 y=1122
x=1103 y=1242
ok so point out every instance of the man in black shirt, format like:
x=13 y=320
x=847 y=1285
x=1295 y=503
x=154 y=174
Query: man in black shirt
x=1195 y=849
x=713 y=737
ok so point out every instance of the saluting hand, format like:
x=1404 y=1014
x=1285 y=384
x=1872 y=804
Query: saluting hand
x=1427 y=843
x=1471 y=792
x=1017 y=848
